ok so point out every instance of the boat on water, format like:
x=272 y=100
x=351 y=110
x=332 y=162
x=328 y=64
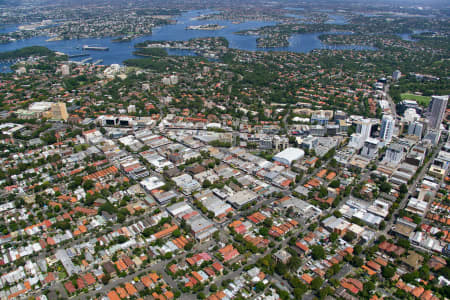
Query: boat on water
x=97 y=48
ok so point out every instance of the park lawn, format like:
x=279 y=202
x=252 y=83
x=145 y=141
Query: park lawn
x=422 y=100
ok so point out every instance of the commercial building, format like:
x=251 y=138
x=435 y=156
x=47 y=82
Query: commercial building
x=410 y=115
x=417 y=206
x=320 y=119
x=241 y=198
x=59 y=111
x=152 y=183
x=40 y=107
x=187 y=183
x=394 y=154
x=370 y=148
x=300 y=208
x=442 y=160
x=415 y=128
x=310 y=142
x=280 y=143
x=437 y=172
x=289 y=155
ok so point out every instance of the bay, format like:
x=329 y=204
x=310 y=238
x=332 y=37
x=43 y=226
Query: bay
x=118 y=52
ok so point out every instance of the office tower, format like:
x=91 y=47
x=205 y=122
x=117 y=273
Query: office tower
x=387 y=128
x=436 y=111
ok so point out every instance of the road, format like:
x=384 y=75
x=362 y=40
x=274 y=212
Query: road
x=391 y=102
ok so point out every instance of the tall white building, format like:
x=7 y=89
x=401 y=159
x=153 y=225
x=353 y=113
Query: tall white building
x=65 y=70
x=363 y=130
x=364 y=127
x=437 y=108
x=387 y=128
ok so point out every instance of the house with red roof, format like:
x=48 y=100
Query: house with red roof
x=89 y=278
x=228 y=252
x=70 y=287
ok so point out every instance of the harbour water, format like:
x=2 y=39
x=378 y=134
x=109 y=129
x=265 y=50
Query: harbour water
x=118 y=52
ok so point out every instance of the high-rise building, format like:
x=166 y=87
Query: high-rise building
x=65 y=70
x=363 y=130
x=415 y=128
x=436 y=111
x=370 y=148
x=387 y=128
x=59 y=111
x=396 y=75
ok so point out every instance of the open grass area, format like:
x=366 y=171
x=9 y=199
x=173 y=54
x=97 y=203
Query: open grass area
x=422 y=100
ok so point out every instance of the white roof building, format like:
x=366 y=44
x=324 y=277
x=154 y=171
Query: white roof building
x=417 y=206
x=152 y=183
x=289 y=155
x=242 y=197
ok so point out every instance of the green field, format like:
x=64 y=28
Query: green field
x=422 y=100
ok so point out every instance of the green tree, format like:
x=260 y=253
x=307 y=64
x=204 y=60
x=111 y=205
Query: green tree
x=385 y=187
x=323 y=192
x=335 y=183
x=388 y=272
x=316 y=283
x=259 y=287
x=213 y=288
x=349 y=236
x=206 y=184
x=333 y=237
x=317 y=252
x=357 y=261
x=188 y=246
x=403 y=188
